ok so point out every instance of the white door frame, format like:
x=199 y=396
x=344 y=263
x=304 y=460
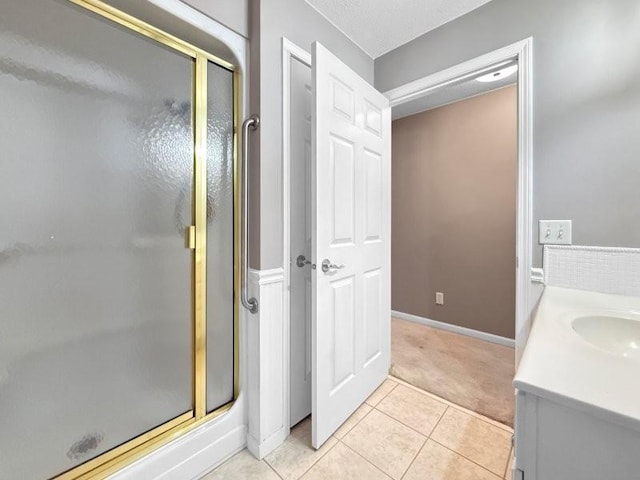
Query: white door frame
x=524 y=239
x=290 y=51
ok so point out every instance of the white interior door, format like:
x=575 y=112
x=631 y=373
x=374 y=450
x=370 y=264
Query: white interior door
x=351 y=146
x=300 y=236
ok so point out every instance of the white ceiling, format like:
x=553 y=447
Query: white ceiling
x=379 y=26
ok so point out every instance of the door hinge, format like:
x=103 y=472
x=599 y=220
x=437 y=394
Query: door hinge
x=191 y=237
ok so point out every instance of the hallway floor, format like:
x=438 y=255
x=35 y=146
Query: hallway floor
x=400 y=432
x=473 y=373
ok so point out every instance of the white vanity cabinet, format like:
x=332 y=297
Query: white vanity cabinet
x=555 y=441
x=578 y=383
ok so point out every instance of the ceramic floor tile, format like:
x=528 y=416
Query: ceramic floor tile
x=382 y=391
x=296 y=455
x=385 y=442
x=435 y=462
x=474 y=439
x=412 y=408
x=242 y=466
x=352 y=421
x=451 y=404
x=342 y=463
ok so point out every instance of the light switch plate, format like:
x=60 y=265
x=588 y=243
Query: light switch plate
x=554 y=232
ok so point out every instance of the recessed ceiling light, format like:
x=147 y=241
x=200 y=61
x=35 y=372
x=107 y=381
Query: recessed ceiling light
x=498 y=75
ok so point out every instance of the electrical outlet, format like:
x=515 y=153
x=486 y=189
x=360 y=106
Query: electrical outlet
x=439 y=298
x=554 y=232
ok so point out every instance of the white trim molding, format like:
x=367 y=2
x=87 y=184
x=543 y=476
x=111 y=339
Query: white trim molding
x=522 y=52
x=267 y=364
x=469 y=332
x=426 y=85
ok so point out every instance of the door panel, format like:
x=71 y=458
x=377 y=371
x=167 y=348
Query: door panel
x=373 y=196
x=351 y=226
x=220 y=237
x=373 y=314
x=341 y=186
x=342 y=320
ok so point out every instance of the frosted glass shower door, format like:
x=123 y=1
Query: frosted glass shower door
x=96 y=173
x=220 y=237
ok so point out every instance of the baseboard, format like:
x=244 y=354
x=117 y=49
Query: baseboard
x=469 y=332
x=261 y=450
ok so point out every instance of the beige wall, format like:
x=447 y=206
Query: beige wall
x=454 y=212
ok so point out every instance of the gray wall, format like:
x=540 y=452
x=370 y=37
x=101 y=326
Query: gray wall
x=586 y=81
x=454 y=213
x=231 y=13
x=254 y=141
x=301 y=24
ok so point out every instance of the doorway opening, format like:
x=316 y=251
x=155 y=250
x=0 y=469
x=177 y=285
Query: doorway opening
x=300 y=243
x=461 y=229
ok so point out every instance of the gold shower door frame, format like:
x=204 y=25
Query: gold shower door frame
x=116 y=458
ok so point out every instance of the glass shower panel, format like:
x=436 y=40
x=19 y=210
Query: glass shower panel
x=96 y=166
x=220 y=250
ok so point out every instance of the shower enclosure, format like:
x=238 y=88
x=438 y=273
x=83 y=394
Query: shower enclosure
x=118 y=260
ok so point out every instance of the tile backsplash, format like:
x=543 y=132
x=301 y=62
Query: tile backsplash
x=599 y=269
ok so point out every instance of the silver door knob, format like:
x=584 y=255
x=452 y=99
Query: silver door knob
x=327 y=265
x=301 y=261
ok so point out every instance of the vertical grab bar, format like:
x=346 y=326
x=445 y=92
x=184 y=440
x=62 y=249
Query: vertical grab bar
x=251 y=123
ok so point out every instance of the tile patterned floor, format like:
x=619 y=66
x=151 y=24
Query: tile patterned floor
x=400 y=433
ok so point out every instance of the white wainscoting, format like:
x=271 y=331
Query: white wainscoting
x=267 y=375
x=489 y=337
x=600 y=269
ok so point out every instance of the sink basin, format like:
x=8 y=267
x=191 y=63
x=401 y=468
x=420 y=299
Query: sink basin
x=617 y=335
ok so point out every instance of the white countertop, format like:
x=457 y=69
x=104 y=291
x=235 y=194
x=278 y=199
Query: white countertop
x=561 y=366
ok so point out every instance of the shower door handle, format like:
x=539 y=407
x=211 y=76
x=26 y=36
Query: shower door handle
x=251 y=304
